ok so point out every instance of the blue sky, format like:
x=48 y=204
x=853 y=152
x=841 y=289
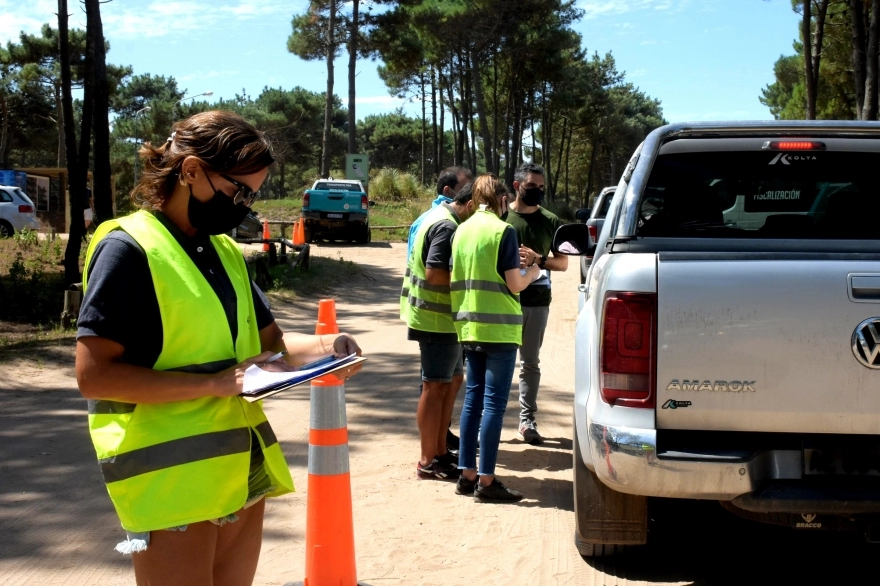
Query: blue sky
x=703 y=59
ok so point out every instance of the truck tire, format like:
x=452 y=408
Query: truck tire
x=307 y=234
x=363 y=234
x=606 y=521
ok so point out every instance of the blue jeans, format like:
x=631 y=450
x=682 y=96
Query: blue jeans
x=489 y=375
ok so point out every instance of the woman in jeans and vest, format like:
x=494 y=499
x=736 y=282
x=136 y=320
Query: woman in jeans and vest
x=485 y=283
x=169 y=324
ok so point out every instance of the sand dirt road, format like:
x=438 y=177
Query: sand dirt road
x=57 y=525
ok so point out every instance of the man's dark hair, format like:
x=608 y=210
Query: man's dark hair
x=520 y=174
x=465 y=195
x=449 y=177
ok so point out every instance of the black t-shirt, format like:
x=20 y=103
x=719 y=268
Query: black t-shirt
x=120 y=303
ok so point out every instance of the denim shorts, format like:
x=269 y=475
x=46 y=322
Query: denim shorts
x=440 y=361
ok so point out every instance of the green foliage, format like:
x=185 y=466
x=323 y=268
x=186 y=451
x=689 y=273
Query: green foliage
x=787 y=96
x=31 y=279
x=389 y=184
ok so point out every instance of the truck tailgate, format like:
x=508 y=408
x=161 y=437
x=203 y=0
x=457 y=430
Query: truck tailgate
x=765 y=343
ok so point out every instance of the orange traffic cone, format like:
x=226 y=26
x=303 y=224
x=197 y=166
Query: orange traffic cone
x=329 y=526
x=299 y=235
x=266 y=236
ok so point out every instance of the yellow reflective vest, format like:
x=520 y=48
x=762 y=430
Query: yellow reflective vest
x=424 y=306
x=172 y=464
x=483 y=308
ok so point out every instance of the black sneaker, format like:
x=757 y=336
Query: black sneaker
x=452 y=441
x=466 y=487
x=438 y=470
x=496 y=493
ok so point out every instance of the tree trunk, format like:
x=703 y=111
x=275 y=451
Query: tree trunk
x=328 y=104
x=589 y=189
x=424 y=127
x=4 y=128
x=810 y=82
x=857 y=18
x=59 y=117
x=496 y=164
x=441 y=144
x=567 y=161
x=435 y=167
x=103 y=190
x=75 y=185
x=560 y=156
x=453 y=111
x=869 y=112
x=481 y=114
x=352 y=71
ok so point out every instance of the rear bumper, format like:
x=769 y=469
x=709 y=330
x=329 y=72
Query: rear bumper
x=29 y=223
x=626 y=460
x=320 y=219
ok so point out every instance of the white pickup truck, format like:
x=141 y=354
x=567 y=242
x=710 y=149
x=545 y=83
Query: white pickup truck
x=732 y=356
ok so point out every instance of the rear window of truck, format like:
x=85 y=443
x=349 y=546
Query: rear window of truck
x=763 y=194
x=327 y=186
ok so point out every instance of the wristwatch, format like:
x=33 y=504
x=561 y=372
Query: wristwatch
x=542 y=261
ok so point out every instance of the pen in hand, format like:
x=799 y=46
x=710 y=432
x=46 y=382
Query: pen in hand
x=277 y=356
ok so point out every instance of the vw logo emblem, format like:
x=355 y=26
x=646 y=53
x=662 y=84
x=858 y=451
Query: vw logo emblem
x=866 y=342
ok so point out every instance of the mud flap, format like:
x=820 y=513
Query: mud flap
x=602 y=515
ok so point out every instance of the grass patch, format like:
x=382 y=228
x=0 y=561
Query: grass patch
x=14 y=336
x=32 y=280
x=324 y=274
x=384 y=213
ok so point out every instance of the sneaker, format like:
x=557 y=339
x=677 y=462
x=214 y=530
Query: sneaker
x=452 y=442
x=466 y=487
x=438 y=470
x=496 y=493
x=528 y=431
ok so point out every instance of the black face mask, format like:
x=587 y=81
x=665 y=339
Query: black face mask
x=532 y=196
x=218 y=215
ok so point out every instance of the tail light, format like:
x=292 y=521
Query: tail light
x=594 y=237
x=364 y=203
x=793 y=145
x=25 y=209
x=306 y=199
x=627 y=354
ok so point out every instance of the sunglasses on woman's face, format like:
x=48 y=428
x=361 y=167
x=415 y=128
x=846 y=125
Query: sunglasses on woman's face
x=243 y=193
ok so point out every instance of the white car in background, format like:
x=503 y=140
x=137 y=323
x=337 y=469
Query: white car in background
x=17 y=212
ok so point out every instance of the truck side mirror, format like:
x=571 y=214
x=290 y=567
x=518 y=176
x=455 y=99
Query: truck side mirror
x=583 y=214
x=571 y=240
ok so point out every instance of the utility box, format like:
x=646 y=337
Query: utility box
x=358 y=167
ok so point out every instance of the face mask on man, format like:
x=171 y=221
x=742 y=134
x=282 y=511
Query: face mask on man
x=218 y=215
x=533 y=196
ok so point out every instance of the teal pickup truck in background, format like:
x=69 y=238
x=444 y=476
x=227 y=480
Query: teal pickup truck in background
x=336 y=209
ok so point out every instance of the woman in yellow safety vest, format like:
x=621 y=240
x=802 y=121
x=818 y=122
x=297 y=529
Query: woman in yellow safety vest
x=485 y=284
x=169 y=324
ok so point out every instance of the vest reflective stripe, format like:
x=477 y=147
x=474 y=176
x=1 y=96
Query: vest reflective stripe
x=176 y=452
x=442 y=308
x=481 y=285
x=489 y=318
x=267 y=434
x=483 y=307
x=171 y=464
x=423 y=284
x=328 y=460
x=424 y=306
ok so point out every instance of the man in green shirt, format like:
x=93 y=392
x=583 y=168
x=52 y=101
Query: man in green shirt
x=535 y=228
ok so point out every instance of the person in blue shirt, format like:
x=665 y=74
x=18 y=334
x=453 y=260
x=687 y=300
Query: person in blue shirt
x=450 y=182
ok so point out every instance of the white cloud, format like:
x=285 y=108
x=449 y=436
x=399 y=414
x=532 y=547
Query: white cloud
x=139 y=19
x=596 y=8
x=18 y=17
